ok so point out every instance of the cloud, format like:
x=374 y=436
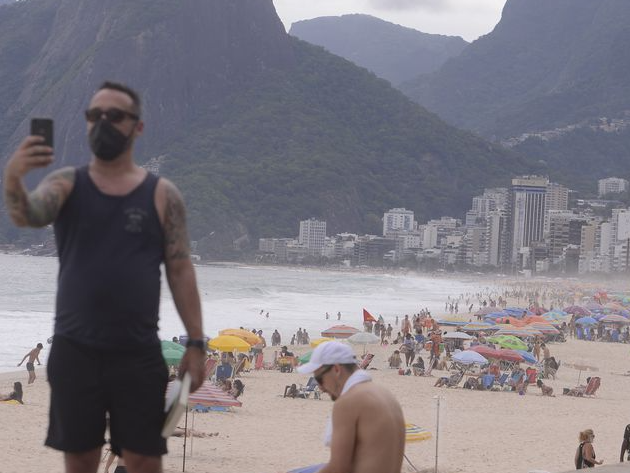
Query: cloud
x=409 y=4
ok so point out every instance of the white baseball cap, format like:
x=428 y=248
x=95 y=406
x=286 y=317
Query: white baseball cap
x=328 y=353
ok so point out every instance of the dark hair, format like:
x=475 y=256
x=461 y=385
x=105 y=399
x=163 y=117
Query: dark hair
x=137 y=106
x=39 y=345
x=539 y=383
x=17 y=392
x=350 y=367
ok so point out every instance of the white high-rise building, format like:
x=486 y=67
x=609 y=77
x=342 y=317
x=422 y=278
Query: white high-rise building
x=398 y=220
x=527 y=212
x=612 y=185
x=312 y=234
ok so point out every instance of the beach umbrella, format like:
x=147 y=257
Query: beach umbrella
x=477 y=327
x=593 y=306
x=577 y=310
x=413 y=433
x=363 y=338
x=319 y=341
x=453 y=323
x=340 y=331
x=527 y=356
x=521 y=332
x=484 y=350
x=517 y=311
x=586 y=321
x=485 y=310
x=545 y=328
x=580 y=367
x=508 y=341
x=249 y=337
x=306 y=357
x=469 y=357
x=509 y=355
x=457 y=336
x=530 y=319
x=614 y=319
x=172 y=357
x=228 y=343
x=172 y=352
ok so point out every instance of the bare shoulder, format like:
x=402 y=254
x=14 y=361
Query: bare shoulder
x=172 y=213
x=369 y=395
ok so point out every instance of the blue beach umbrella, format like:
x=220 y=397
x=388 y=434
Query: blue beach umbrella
x=528 y=357
x=468 y=357
x=586 y=321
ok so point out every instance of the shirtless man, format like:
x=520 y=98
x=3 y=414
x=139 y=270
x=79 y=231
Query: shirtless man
x=368 y=429
x=32 y=356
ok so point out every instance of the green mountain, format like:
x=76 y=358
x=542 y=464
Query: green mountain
x=258 y=129
x=550 y=70
x=391 y=51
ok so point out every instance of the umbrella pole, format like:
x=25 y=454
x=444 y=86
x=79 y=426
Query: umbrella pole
x=437 y=434
x=185 y=435
x=192 y=429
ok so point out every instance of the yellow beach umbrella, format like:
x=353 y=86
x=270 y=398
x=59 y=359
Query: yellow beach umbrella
x=246 y=335
x=319 y=341
x=228 y=343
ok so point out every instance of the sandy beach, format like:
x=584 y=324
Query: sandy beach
x=479 y=431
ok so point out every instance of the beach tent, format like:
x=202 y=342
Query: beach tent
x=340 y=331
x=249 y=337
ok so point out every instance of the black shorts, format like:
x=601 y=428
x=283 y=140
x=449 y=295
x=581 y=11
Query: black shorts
x=30 y=367
x=86 y=383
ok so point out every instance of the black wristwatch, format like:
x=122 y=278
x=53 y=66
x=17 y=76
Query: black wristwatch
x=197 y=343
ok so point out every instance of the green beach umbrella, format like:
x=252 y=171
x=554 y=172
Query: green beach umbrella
x=172 y=352
x=306 y=357
x=509 y=341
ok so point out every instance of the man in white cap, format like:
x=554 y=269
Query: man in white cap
x=367 y=433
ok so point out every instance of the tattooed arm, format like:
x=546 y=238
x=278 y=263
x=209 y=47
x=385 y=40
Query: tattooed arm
x=180 y=273
x=40 y=207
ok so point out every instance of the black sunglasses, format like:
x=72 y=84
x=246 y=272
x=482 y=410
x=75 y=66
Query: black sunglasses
x=320 y=377
x=113 y=115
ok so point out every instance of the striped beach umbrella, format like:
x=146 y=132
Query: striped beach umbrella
x=209 y=395
x=615 y=319
x=413 y=433
x=340 y=331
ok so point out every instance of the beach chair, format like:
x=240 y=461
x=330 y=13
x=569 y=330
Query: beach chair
x=593 y=386
x=311 y=388
x=487 y=381
x=209 y=367
x=224 y=372
x=580 y=391
x=502 y=379
x=366 y=361
x=532 y=374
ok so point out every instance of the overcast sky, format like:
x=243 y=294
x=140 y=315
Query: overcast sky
x=466 y=18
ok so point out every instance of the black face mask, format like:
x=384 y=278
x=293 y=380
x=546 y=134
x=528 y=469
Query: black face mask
x=106 y=142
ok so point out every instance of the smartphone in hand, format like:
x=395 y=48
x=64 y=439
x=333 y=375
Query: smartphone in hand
x=43 y=127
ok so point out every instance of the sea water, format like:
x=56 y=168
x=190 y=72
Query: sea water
x=231 y=296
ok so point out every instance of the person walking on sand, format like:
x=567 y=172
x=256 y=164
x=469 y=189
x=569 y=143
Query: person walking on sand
x=585 y=454
x=32 y=356
x=115 y=224
x=367 y=431
x=625 y=444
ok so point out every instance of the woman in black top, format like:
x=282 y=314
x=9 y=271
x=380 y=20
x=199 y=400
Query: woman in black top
x=585 y=456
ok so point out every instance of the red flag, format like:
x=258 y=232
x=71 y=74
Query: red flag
x=367 y=317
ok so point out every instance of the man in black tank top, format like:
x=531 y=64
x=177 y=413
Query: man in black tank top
x=115 y=224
